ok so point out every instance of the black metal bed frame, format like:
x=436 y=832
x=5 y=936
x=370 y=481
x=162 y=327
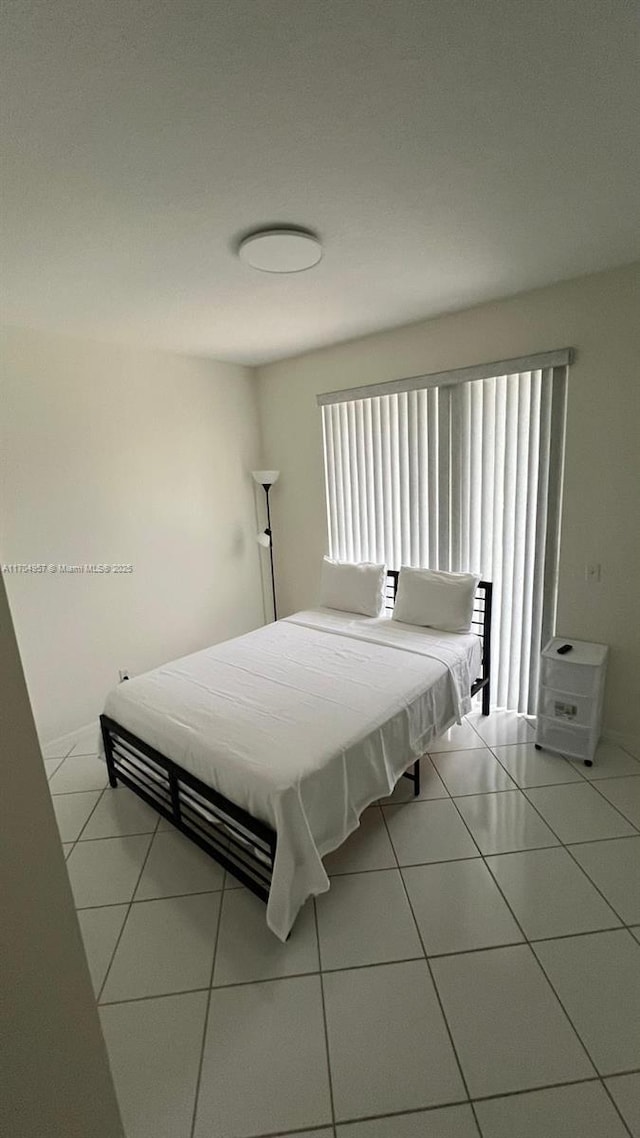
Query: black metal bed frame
x=480 y=619
x=240 y=843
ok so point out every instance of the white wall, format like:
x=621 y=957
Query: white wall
x=55 y=1074
x=599 y=315
x=113 y=455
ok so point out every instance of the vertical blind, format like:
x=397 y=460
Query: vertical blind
x=462 y=476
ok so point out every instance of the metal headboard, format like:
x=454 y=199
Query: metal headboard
x=480 y=624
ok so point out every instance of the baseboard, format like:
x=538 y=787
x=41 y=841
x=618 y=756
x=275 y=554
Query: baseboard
x=630 y=742
x=64 y=744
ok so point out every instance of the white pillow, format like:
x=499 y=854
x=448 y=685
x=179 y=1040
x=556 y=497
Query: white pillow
x=435 y=599
x=353 y=588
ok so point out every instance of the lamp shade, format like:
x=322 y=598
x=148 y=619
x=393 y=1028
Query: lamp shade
x=266 y=477
x=263 y=539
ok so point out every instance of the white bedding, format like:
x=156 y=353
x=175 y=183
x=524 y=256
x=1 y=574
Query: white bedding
x=304 y=723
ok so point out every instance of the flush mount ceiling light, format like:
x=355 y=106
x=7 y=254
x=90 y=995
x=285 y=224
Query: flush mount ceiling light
x=281 y=250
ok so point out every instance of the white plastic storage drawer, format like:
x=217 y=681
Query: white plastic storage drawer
x=580 y=679
x=574 y=741
x=565 y=707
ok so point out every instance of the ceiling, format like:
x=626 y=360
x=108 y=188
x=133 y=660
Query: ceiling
x=447 y=151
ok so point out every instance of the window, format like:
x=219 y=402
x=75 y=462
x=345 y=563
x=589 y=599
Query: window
x=460 y=472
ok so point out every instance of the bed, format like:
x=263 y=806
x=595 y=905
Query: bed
x=266 y=749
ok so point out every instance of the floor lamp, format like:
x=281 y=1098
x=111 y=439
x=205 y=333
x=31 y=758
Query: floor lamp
x=266 y=479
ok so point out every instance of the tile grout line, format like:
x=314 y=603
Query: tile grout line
x=151 y=996
x=146 y=900
x=465 y=1102
x=597 y=887
x=59 y=759
x=56 y=760
x=549 y=1086
x=431 y=977
x=105 y=838
x=595 y=782
x=439 y=1106
x=573 y=764
x=54 y=757
x=612 y=804
x=324 y=1018
x=207 y=1013
x=89 y=755
x=537 y=960
x=431 y=1109
x=604 y=799
x=128 y=834
x=563 y=845
x=129 y=907
x=593 y=841
x=566 y=846
x=135 y=900
x=87 y=790
x=85 y=823
x=509 y=909
x=384 y=803
x=623 y=924
x=502 y=853
x=476 y=793
x=531 y=743
x=615 y=1105
x=69 y=793
x=506 y=853
x=596 y=1078
x=600 y=1078
x=319 y=1130
x=359 y=967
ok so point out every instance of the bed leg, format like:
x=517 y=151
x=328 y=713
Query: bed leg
x=108 y=754
x=113 y=782
x=486 y=699
x=416 y=778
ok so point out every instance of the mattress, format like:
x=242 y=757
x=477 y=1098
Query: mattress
x=304 y=723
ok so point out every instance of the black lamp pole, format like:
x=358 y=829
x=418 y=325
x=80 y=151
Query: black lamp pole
x=266 y=487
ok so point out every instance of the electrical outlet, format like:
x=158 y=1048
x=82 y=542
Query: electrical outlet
x=124 y=674
x=592 y=572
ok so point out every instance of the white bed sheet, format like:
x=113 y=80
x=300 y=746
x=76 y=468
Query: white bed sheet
x=304 y=723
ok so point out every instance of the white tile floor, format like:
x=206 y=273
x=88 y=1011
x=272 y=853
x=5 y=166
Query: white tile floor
x=474 y=971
